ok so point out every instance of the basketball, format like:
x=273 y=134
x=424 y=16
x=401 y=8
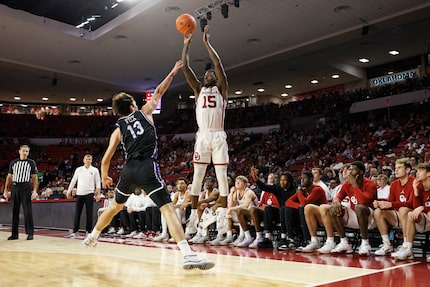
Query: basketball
x=185 y=24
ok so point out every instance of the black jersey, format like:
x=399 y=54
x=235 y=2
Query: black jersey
x=22 y=170
x=138 y=136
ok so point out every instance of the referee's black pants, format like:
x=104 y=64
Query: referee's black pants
x=82 y=200
x=21 y=194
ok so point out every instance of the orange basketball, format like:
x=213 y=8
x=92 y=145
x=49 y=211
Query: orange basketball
x=185 y=24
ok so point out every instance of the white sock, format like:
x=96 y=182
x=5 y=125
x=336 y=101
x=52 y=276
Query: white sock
x=229 y=234
x=386 y=239
x=163 y=225
x=344 y=240
x=259 y=235
x=248 y=234
x=314 y=239
x=268 y=235
x=364 y=241
x=283 y=235
x=408 y=245
x=185 y=248
x=95 y=233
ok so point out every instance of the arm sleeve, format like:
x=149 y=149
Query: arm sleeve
x=316 y=196
x=73 y=181
x=417 y=200
x=366 y=196
x=269 y=188
x=97 y=178
x=342 y=193
x=293 y=201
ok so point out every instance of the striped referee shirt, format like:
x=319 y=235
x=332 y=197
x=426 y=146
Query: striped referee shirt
x=22 y=170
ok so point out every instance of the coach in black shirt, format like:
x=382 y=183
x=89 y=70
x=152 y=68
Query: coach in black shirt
x=21 y=171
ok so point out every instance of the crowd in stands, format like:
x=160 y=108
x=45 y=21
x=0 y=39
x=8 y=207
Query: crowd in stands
x=375 y=138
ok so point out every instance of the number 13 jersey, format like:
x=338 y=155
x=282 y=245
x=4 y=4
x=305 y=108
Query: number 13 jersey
x=138 y=136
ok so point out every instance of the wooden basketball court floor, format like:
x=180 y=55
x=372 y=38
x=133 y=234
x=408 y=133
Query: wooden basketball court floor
x=52 y=259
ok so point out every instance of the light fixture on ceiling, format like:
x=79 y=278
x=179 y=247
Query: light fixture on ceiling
x=260 y=90
x=224 y=10
x=45 y=98
x=335 y=76
x=363 y=60
x=120 y=37
x=99 y=100
x=82 y=24
x=394 y=52
x=342 y=9
x=17 y=98
x=253 y=41
x=314 y=81
x=206 y=12
x=288 y=86
x=203 y=23
x=238 y=92
x=172 y=9
x=72 y=99
x=284 y=95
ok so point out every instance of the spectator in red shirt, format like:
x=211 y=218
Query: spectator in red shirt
x=394 y=211
x=417 y=219
x=355 y=213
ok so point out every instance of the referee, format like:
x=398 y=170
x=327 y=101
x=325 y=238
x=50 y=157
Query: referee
x=21 y=171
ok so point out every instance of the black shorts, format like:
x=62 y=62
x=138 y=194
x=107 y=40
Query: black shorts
x=145 y=174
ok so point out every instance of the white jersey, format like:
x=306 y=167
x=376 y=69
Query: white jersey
x=205 y=195
x=210 y=109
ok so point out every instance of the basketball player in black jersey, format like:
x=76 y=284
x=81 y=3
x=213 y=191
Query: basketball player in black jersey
x=137 y=134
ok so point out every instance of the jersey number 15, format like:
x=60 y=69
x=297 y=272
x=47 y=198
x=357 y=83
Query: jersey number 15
x=209 y=102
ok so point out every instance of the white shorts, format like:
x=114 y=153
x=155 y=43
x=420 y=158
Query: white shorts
x=211 y=145
x=396 y=214
x=424 y=224
x=234 y=217
x=350 y=219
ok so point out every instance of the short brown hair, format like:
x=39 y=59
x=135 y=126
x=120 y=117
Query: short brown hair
x=425 y=166
x=121 y=103
x=405 y=161
x=242 y=178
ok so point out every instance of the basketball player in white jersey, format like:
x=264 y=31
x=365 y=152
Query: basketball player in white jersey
x=211 y=139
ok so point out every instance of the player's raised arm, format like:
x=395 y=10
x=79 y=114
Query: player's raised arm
x=150 y=106
x=190 y=76
x=219 y=68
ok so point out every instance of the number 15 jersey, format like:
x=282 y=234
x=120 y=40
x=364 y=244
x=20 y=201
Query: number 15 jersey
x=211 y=139
x=210 y=109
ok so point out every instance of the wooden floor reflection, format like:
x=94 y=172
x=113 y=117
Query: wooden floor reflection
x=55 y=260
